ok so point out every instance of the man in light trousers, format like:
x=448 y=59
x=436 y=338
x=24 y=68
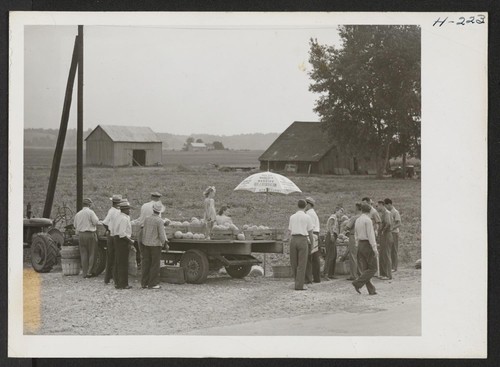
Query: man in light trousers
x=85 y=225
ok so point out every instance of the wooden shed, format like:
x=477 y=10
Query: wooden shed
x=304 y=148
x=115 y=146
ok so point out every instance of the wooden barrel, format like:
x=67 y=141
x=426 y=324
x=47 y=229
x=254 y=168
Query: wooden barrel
x=70 y=260
x=70 y=266
x=282 y=271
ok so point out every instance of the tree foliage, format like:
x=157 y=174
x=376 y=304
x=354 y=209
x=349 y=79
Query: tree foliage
x=218 y=145
x=369 y=90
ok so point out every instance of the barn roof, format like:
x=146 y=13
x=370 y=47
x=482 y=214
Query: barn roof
x=301 y=141
x=136 y=134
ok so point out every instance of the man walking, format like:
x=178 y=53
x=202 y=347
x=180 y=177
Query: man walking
x=352 y=248
x=396 y=223
x=300 y=227
x=333 y=231
x=385 y=240
x=367 y=250
x=313 y=264
x=85 y=225
x=153 y=238
x=122 y=229
x=113 y=212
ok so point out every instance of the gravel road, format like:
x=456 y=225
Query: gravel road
x=71 y=305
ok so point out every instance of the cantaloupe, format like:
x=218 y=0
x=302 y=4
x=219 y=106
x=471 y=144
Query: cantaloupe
x=178 y=234
x=240 y=237
x=245 y=227
x=189 y=235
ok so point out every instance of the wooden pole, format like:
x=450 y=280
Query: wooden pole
x=56 y=161
x=79 y=131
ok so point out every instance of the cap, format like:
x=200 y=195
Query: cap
x=87 y=201
x=156 y=194
x=158 y=207
x=310 y=200
x=116 y=199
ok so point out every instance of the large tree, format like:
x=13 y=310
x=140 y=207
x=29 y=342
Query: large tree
x=369 y=90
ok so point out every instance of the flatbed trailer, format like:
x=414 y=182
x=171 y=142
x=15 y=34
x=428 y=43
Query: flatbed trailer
x=198 y=257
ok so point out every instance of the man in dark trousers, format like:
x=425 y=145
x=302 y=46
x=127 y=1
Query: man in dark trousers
x=122 y=229
x=300 y=227
x=113 y=212
x=85 y=225
x=153 y=238
x=385 y=240
x=367 y=250
x=332 y=232
x=313 y=264
x=396 y=223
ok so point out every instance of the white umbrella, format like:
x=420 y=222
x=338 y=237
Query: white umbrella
x=268 y=182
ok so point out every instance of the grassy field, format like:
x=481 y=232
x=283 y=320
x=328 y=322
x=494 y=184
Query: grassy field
x=185 y=175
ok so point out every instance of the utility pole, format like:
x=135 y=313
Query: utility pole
x=79 y=131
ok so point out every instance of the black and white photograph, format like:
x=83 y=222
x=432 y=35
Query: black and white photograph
x=200 y=178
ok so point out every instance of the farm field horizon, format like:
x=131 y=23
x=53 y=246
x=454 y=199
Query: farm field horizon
x=185 y=176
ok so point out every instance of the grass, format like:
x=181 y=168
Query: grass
x=182 y=183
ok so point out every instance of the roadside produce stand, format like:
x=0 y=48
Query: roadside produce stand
x=198 y=257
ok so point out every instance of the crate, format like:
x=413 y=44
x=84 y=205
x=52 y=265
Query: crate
x=282 y=271
x=278 y=234
x=219 y=234
x=342 y=268
x=259 y=234
x=172 y=274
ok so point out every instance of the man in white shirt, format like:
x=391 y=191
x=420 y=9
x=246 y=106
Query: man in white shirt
x=300 y=227
x=367 y=250
x=396 y=223
x=122 y=229
x=374 y=215
x=313 y=264
x=113 y=212
x=146 y=211
x=85 y=225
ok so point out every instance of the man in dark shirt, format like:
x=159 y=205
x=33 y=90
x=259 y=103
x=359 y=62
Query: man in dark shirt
x=385 y=241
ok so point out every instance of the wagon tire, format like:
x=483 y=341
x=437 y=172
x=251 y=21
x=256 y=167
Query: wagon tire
x=44 y=252
x=238 y=271
x=100 y=263
x=195 y=264
x=57 y=236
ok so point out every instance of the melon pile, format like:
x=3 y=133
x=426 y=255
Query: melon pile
x=189 y=235
x=252 y=227
x=225 y=227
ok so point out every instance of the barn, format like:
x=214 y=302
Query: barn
x=197 y=147
x=115 y=146
x=304 y=148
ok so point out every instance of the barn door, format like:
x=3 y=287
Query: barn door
x=139 y=157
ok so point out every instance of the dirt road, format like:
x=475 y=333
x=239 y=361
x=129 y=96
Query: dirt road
x=71 y=305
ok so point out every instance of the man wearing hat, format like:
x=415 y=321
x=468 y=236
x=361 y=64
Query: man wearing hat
x=146 y=211
x=313 y=264
x=85 y=225
x=153 y=238
x=113 y=212
x=122 y=230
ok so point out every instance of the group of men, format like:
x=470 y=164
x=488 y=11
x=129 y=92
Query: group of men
x=373 y=243
x=152 y=238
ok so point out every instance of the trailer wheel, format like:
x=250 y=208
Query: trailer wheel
x=44 y=252
x=100 y=263
x=195 y=264
x=238 y=271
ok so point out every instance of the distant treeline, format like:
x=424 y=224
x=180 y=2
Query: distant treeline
x=257 y=141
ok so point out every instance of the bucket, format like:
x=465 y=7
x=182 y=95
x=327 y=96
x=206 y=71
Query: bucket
x=70 y=252
x=172 y=274
x=70 y=266
x=282 y=271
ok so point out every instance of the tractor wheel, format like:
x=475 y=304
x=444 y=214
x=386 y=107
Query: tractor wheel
x=100 y=263
x=195 y=264
x=238 y=271
x=44 y=252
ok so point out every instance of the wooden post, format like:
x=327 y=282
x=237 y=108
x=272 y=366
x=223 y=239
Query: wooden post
x=56 y=161
x=79 y=131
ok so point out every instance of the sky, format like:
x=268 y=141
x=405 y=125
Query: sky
x=173 y=79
